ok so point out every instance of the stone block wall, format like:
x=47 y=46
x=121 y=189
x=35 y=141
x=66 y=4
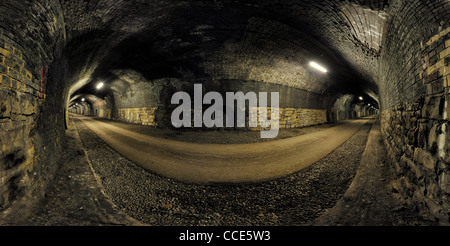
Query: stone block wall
x=289 y=117
x=295 y=117
x=32 y=125
x=14 y=73
x=22 y=99
x=301 y=117
x=17 y=153
x=142 y=116
x=298 y=117
x=417 y=133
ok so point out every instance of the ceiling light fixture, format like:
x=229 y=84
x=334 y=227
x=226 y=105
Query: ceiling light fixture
x=82 y=99
x=100 y=85
x=361 y=98
x=318 y=67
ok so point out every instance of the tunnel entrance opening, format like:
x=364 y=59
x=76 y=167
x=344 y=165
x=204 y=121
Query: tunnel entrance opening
x=351 y=107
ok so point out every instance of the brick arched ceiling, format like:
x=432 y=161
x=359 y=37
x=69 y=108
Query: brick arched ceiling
x=265 y=41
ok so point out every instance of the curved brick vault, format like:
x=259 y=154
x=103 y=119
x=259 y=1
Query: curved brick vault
x=395 y=54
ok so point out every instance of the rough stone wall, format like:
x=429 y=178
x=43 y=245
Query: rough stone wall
x=293 y=117
x=31 y=135
x=17 y=152
x=289 y=117
x=414 y=95
x=142 y=116
x=300 y=117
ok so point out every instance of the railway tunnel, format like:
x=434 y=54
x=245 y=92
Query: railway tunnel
x=321 y=73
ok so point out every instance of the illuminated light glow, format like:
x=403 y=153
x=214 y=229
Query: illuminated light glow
x=100 y=85
x=360 y=98
x=82 y=99
x=318 y=67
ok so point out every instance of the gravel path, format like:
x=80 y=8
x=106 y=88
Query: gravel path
x=294 y=200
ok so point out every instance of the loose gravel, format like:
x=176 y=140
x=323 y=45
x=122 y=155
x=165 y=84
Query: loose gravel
x=293 y=200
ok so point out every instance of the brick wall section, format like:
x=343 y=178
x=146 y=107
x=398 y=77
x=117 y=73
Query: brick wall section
x=435 y=62
x=14 y=74
x=410 y=27
x=417 y=131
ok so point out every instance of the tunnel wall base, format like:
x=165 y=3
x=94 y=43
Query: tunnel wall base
x=417 y=157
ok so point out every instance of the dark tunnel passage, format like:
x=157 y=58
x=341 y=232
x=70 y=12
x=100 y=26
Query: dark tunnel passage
x=358 y=84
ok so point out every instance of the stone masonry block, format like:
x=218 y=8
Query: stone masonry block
x=4 y=52
x=15 y=74
x=6 y=80
x=17 y=61
x=425 y=158
x=3 y=68
x=433 y=68
x=17 y=53
x=437 y=86
x=447 y=81
x=444 y=53
x=8 y=47
x=439 y=49
x=433 y=59
x=14 y=83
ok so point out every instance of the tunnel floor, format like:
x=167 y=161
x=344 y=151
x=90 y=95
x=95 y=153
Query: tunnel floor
x=208 y=163
x=98 y=186
x=220 y=136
